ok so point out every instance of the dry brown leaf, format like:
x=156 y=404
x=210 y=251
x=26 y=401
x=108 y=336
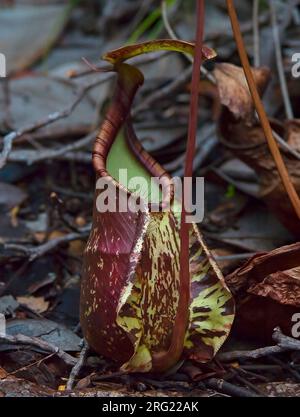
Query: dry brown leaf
x=80 y=221
x=234 y=91
x=37 y=304
x=3 y=373
x=14 y=216
x=293 y=133
x=243 y=135
x=267 y=290
x=56 y=234
x=282 y=286
x=76 y=248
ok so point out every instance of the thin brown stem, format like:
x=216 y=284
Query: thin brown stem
x=279 y=63
x=256 y=43
x=173 y=35
x=167 y=359
x=78 y=366
x=261 y=111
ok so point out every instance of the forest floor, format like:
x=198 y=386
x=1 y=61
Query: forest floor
x=51 y=105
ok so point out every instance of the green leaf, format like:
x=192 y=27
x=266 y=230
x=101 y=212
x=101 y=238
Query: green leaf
x=230 y=192
x=150 y=19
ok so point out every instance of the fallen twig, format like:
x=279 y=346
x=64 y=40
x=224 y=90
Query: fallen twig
x=286 y=342
x=34 y=156
x=77 y=367
x=250 y=354
x=30 y=365
x=9 y=139
x=256 y=44
x=36 y=343
x=287 y=367
x=240 y=376
x=228 y=388
x=38 y=251
x=279 y=62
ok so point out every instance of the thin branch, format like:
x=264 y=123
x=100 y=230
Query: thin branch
x=287 y=367
x=279 y=62
x=163 y=92
x=51 y=118
x=228 y=388
x=30 y=365
x=234 y=257
x=10 y=138
x=237 y=184
x=289 y=187
x=32 y=157
x=78 y=366
x=285 y=145
x=22 y=155
x=139 y=16
x=169 y=29
x=38 y=251
x=250 y=354
x=205 y=145
x=256 y=43
x=284 y=341
x=173 y=35
x=36 y=343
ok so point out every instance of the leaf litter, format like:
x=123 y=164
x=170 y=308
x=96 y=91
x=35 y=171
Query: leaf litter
x=39 y=286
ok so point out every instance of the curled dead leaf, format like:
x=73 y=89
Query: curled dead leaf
x=242 y=134
x=3 y=373
x=281 y=286
x=267 y=290
x=233 y=88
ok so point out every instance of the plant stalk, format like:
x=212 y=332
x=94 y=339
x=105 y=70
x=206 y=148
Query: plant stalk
x=165 y=360
x=284 y=175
